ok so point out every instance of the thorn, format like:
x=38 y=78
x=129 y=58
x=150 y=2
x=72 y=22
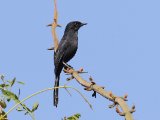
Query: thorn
x=111 y=95
x=91 y=88
x=51 y=48
x=52 y=25
x=125 y=96
x=93 y=83
x=49 y=25
x=117 y=109
x=112 y=105
x=88 y=88
x=81 y=71
x=133 y=109
x=102 y=87
x=70 y=78
x=122 y=114
x=119 y=112
x=90 y=78
x=55 y=20
x=59 y=25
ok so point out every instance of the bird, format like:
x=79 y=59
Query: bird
x=66 y=50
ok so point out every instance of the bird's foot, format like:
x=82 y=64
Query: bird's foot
x=67 y=68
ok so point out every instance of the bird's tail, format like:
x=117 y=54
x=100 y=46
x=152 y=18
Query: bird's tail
x=55 y=94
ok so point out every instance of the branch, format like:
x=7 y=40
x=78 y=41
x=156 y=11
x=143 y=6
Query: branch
x=117 y=101
x=4 y=115
x=54 y=25
x=92 y=86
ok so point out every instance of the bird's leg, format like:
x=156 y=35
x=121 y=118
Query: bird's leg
x=67 y=69
x=67 y=66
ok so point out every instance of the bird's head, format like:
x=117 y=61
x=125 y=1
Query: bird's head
x=74 y=25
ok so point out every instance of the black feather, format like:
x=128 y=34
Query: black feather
x=66 y=50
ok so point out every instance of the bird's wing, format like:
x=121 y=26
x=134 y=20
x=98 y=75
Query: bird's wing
x=60 y=51
x=58 y=56
x=58 y=59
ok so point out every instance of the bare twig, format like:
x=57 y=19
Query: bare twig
x=107 y=94
x=41 y=91
x=54 y=25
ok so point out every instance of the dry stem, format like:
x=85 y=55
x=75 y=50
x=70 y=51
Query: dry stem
x=54 y=25
x=107 y=94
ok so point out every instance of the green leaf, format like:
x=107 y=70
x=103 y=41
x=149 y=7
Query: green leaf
x=74 y=117
x=12 y=82
x=3 y=104
x=35 y=106
x=22 y=83
x=77 y=115
x=10 y=95
x=4 y=86
x=20 y=109
x=14 y=97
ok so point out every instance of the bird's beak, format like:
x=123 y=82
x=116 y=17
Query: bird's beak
x=84 y=24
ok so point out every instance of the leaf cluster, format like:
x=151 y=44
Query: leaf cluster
x=73 y=117
x=7 y=95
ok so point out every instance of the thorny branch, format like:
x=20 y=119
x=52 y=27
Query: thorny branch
x=117 y=101
x=54 y=25
x=92 y=86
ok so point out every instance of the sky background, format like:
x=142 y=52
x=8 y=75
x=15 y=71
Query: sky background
x=119 y=48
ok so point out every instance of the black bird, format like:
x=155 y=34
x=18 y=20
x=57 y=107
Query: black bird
x=66 y=50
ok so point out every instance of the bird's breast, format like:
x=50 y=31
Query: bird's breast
x=71 y=49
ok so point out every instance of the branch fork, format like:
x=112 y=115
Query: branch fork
x=117 y=101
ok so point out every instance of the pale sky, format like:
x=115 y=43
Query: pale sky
x=119 y=48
